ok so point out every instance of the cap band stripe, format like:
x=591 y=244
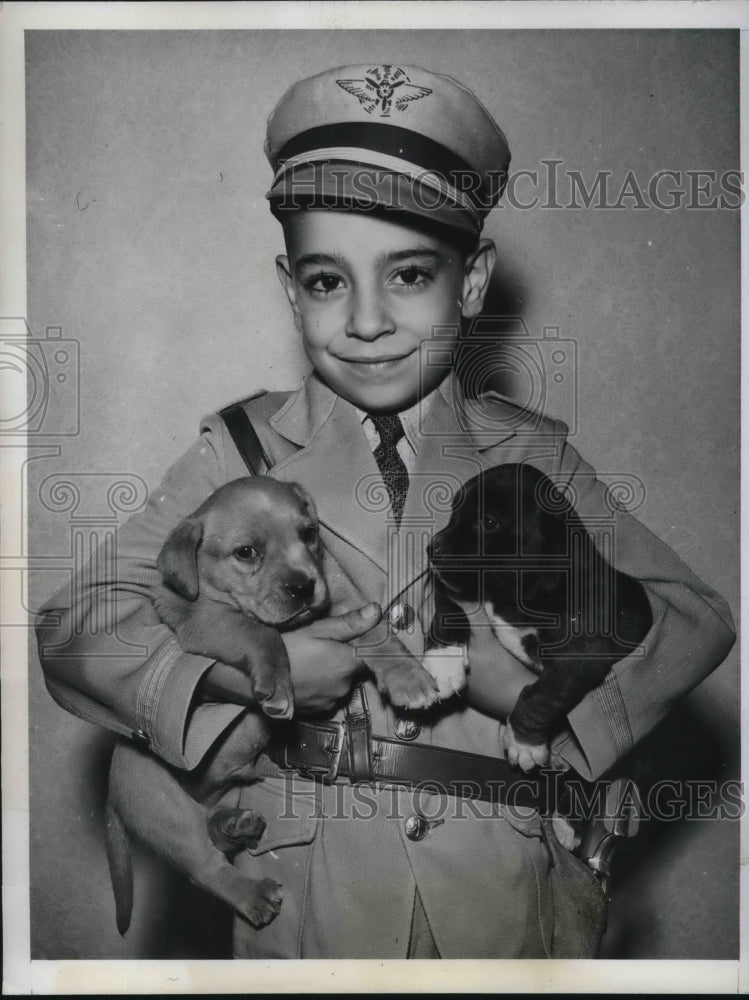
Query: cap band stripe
x=389 y=140
x=370 y=157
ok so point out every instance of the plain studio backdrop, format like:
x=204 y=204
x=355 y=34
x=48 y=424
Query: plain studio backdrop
x=151 y=255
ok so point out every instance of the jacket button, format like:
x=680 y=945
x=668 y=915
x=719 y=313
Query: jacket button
x=407 y=729
x=401 y=617
x=417 y=827
x=140 y=738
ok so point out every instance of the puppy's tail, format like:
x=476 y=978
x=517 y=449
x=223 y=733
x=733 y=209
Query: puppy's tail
x=120 y=868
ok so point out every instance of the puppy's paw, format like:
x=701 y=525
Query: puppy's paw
x=447 y=666
x=235 y=829
x=408 y=685
x=264 y=902
x=565 y=832
x=526 y=756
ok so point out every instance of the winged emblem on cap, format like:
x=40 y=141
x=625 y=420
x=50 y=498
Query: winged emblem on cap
x=384 y=88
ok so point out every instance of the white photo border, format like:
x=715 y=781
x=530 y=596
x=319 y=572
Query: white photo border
x=23 y=976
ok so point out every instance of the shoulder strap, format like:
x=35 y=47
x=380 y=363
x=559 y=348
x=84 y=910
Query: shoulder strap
x=244 y=436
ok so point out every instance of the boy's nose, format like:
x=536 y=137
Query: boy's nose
x=369 y=318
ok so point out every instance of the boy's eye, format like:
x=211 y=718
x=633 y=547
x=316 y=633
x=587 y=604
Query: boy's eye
x=323 y=282
x=412 y=277
x=247 y=553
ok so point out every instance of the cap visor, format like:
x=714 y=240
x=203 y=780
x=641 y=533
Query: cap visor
x=361 y=188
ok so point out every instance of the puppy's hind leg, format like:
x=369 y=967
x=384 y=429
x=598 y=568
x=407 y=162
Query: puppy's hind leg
x=153 y=806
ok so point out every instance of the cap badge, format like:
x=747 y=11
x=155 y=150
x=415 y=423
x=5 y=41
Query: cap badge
x=382 y=88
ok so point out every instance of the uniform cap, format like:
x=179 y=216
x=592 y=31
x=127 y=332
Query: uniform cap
x=398 y=138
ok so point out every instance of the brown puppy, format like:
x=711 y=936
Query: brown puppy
x=245 y=565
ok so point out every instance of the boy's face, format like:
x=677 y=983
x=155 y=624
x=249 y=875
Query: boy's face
x=367 y=294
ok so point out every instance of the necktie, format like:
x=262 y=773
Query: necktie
x=389 y=462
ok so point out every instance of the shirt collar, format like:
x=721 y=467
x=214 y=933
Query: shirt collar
x=412 y=418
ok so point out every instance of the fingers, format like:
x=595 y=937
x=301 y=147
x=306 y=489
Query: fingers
x=353 y=624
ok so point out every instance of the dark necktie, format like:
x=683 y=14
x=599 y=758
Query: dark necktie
x=389 y=462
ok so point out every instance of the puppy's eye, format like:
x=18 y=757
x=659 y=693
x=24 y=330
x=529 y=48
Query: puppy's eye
x=246 y=553
x=489 y=523
x=309 y=534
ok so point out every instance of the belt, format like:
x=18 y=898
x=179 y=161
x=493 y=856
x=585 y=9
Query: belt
x=334 y=750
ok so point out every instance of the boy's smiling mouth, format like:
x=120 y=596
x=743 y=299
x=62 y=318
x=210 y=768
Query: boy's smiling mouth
x=372 y=365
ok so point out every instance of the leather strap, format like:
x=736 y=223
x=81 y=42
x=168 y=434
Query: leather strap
x=316 y=751
x=244 y=436
x=359 y=736
x=357 y=731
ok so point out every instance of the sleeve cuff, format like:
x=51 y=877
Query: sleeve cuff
x=179 y=731
x=599 y=731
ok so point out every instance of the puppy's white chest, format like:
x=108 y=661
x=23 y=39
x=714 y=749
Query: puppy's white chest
x=510 y=636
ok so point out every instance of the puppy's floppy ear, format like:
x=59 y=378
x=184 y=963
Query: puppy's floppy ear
x=552 y=504
x=178 y=559
x=306 y=499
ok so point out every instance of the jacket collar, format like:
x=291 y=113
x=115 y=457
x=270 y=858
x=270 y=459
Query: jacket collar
x=310 y=406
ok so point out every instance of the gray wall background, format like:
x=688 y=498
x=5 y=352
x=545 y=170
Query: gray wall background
x=150 y=244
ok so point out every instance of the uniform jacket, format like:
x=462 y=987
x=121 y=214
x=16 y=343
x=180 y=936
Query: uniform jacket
x=349 y=886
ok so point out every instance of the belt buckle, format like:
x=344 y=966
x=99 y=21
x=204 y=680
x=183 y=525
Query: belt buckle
x=334 y=747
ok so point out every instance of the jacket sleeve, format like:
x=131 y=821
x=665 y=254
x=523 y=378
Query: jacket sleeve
x=691 y=635
x=106 y=656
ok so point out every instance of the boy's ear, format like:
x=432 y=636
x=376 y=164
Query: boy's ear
x=283 y=270
x=478 y=272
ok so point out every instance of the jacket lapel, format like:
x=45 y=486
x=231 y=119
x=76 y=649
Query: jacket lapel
x=336 y=465
x=452 y=441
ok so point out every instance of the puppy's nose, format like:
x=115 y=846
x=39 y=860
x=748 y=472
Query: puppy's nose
x=302 y=588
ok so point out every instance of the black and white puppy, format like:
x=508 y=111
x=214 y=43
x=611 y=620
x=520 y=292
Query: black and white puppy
x=515 y=545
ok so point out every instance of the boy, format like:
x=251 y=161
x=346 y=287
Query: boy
x=383 y=176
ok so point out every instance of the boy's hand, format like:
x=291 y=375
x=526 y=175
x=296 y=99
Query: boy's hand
x=324 y=667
